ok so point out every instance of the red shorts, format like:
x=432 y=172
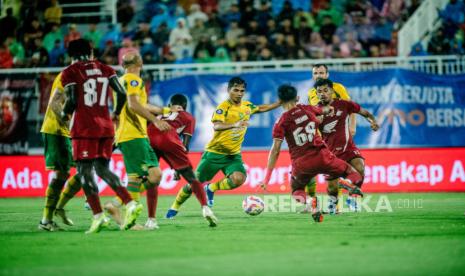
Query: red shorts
x=169 y=147
x=92 y=148
x=323 y=161
x=349 y=154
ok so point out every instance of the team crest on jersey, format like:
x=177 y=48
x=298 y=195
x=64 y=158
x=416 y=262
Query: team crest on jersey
x=134 y=83
x=329 y=128
x=219 y=111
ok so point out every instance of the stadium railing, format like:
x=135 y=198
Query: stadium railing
x=427 y=64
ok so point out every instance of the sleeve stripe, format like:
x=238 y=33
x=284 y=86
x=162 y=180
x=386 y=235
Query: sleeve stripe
x=71 y=83
x=278 y=139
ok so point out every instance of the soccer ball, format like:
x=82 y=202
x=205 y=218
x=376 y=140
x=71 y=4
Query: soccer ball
x=253 y=205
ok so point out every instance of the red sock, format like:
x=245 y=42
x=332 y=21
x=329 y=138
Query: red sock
x=122 y=193
x=94 y=203
x=300 y=196
x=152 y=199
x=199 y=193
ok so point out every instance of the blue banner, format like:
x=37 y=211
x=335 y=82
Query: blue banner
x=414 y=109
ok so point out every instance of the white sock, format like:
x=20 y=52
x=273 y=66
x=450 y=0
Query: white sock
x=97 y=216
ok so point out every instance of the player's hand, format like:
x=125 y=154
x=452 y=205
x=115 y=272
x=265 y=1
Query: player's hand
x=263 y=185
x=162 y=125
x=241 y=124
x=374 y=126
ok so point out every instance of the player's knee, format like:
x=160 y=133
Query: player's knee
x=154 y=176
x=332 y=188
x=237 y=178
x=62 y=175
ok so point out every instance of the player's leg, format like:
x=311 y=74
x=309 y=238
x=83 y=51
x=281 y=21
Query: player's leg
x=206 y=170
x=298 y=183
x=196 y=187
x=151 y=185
x=133 y=208
x=310 y=189
x=359 y=165
x=53 y=145
x=85 y=173
x=335 y=168
x=234 y=171
x=333 y=194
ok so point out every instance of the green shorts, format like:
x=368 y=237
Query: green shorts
x=211 y=163
x=138 y=156
x=58 y=152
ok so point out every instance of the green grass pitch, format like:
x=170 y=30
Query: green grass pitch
x=423 y=235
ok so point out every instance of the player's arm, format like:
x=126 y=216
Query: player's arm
x=56 y=103
x=219 y=126
x=162 y=110
x=186 y=139
x=272 y=158
x=370 y=118
x=267 y=107
x=70 y=103
x=120 y=94
x=139 y=109
x=342 y=91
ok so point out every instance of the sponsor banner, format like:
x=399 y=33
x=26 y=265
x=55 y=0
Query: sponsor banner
x=413 y=170
x=16 y=93
x=414 y=109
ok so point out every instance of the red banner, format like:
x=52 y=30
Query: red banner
x=390 y=170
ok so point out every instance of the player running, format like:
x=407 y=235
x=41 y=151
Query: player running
x=86 y=83
x=320 y=71
x=334 y=129
x=309 y=154
x=169 y=146
x=59 y=158
x=131 y=138
x=223 y=152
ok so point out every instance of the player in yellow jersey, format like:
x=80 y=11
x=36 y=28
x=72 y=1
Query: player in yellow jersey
x=320 y=71
x=131 y=138
x=223 y=152
x=59 y=158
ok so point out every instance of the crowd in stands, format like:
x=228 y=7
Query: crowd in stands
x=202 y=31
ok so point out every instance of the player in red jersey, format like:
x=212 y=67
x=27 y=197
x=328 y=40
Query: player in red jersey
x=86 y=83
x=309 y=154
x=336 y=134
x=169 y=146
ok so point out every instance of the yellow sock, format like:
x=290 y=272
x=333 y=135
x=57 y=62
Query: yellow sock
x=223 y=184
x=310 y=188
x=134 y=195
x=71 y=189
x=183 y=194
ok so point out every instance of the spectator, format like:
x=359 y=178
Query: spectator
x=233 y=34
x=57 y=54
x=126 y=32
x=243 y=55
x=214 y=26
x=232 y=14
x=16 y=50
x=328 y=29
x=93 y=34
x=127 y=47
x=147 y=41
x=186 y=58
x=109 y=53
x=248 y=13
x=8 y=23
x=328 y=10
x=287 y=12
x=197 y=31
x=221 y=55
x=316 y=46
x=51 y=38
x=253 y=29
x=382 y=31
x=73 y=34
x=263 y=14
x=180 y=38
x=301 y=14
x=161 y=36
x=39 y=57
x=286 y=27
x=303 y=32
x=271 y=28
x=52 y=15
x=195 y=13
x=205 y=46
x=124 y=12
x=350 y=46
x=346 y=27
x=364 y=31
x=279 y=47
x=265 y=55
x=6 y=59
x=112 y=35
x=33 y=31
x=439 y=44
x=291 y=47
x=161 y=15
x=173 y=18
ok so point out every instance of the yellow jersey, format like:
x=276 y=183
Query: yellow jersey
x=229 y=142
x=132 y=126
x=51 y=123
x=340 y=92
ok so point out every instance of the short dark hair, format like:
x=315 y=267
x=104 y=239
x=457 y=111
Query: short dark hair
x=236 y=81
x=287 y=92
x=79 y=48
x=179 y=99
x=320 y=82
x=321 y=65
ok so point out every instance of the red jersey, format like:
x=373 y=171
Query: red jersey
x=299 y=126
x=91 y=117
x=335 y=129
x=182 y=122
